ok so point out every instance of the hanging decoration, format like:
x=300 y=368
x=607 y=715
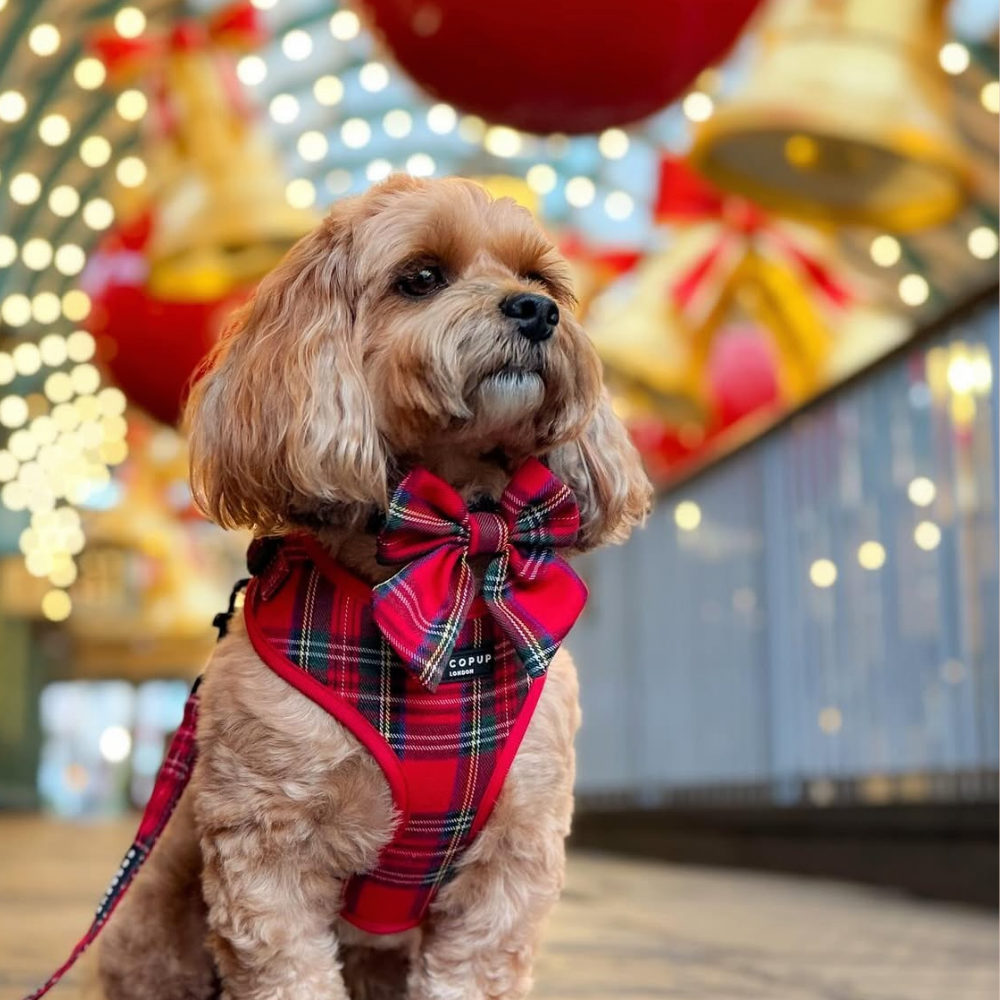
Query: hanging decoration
x=742 y=374
x=211 y=219
x=779 y=275
x=736 y=318
x=647 y=358
x=153 y=537
x=845 y=117
x=556 y=65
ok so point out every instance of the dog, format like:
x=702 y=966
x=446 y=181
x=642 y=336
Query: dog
x=422 y=325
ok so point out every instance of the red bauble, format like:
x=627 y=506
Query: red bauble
x=557 y=65
x=151 y=347
x=742 y=374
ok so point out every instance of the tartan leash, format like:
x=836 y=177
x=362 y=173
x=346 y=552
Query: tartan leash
x=171 y=780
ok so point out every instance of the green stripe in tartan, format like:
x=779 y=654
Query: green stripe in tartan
x=397 y=734
x=323 y=646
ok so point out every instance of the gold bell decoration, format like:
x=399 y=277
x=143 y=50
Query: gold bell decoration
x=222 y=219
x=650 y=358
x=646 y=356
x=741 y=316
x=595 y=266
x=732 y=258
x=150 y=569
x=844 y=118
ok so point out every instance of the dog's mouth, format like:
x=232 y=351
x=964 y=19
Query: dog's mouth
x=511 y=390
x=515 y=376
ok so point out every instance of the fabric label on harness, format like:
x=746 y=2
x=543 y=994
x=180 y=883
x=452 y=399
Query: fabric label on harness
x=468 y=664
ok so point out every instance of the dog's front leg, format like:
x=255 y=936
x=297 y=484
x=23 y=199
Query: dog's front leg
x=485 y=924
x=482 y=938
x=486 y=951
x=271 y=896
x=270 y=928
x=287 y=804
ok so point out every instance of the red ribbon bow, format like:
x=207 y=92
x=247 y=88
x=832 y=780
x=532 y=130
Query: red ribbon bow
x=237 y=24
x=685 y=196
x=531 y=593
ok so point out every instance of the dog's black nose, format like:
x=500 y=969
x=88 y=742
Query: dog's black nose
x=536 y=315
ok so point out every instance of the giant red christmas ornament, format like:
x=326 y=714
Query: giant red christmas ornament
x=557 y=65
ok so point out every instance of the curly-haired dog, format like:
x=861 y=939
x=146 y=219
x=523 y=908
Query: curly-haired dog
x=421 y=326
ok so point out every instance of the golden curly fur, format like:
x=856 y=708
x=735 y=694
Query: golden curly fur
x=329 y=385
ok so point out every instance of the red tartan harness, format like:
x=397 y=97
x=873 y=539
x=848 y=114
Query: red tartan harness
x=444 y=753
x=437 y=681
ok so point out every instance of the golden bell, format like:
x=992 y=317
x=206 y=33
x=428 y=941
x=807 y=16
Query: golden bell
x=222 y=217
x=646 y=355
x=844 y=118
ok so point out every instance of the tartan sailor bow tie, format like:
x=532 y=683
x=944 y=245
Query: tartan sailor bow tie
x=531 y=593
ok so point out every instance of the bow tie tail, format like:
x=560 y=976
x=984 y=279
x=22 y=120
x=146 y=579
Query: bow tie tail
x=421 y=609
x=534 y=611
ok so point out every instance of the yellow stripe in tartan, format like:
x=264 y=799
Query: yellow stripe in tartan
x=384 y=687
x=414 y=517
x=531 y=641
x=528 y=639
x=459 y=826
x=307 y=621
x=534 y=508
x=452 y=624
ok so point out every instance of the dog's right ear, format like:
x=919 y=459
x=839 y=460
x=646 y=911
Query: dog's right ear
x=282 y=421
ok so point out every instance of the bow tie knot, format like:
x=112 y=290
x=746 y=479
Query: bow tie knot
x=533 y=595
x=488 y=534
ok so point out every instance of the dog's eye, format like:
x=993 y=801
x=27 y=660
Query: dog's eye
x=537 y=278
x=423 y=282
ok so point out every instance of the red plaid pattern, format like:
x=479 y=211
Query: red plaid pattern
x=444 y=753
x=172 y=779
x=532 y=594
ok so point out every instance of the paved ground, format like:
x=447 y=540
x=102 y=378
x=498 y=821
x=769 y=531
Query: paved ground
x=625 y=930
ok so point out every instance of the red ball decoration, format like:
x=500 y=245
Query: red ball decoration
x=557 y=65
x=152 y=348
x=742 y=374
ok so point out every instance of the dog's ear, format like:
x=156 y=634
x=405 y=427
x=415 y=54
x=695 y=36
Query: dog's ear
x=282 y=422
x=605 y=472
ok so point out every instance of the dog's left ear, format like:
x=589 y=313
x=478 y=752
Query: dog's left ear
x=604 y=471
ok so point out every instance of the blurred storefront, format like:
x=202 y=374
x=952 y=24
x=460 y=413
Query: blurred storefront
x=783 y=222
x=806 y=642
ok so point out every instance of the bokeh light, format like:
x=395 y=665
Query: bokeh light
x=687 y=515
